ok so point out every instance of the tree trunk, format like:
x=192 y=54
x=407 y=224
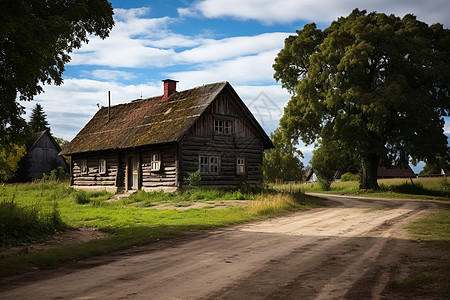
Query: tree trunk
x=369 y=173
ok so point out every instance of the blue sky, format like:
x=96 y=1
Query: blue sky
x=198 y=42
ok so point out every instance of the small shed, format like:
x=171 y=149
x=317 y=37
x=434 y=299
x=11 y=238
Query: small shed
x=43 y=155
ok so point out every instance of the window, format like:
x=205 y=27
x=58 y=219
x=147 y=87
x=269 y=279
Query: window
x=204 y=168
x=240 y=165
x=209 y=164
x=102 y=166
x=222 y=127
x=156 y=162
x=214 y=164
x=84 y=166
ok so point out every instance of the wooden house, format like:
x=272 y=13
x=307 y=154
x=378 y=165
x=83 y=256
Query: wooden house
x=42 y=155
x=153 y=143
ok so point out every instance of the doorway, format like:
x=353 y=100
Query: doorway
x=133 y=173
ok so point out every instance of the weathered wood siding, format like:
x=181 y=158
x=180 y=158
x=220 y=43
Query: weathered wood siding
x=243 y=142
x=93 y=176
x=43 y=158
x=118 y=168
x=167 y=175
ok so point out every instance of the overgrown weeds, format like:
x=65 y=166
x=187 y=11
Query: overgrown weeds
x=94 y=197
x=281 y=202
x=197 y=194
x=22 y=224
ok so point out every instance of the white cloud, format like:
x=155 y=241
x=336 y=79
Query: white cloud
x=285 y=11
x=252 y=69
x=137 y=41
x=447 y=126
x=213 y=50
x=112 y=75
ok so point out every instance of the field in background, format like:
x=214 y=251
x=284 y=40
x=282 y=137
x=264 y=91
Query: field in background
x=424 y=188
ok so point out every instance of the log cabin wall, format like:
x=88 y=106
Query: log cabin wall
x=118 y=169
x=166 y=177
x=243 y=142
x=92 y=178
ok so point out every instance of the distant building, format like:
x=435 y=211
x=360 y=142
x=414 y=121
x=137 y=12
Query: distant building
x=395 y=172
x=382 y=172
x=43 y=155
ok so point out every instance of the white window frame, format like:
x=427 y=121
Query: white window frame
x=156 y=162
x=222 y=126
x=209 y=164
x=240 y=165
x=102 y=166
x=84 y=166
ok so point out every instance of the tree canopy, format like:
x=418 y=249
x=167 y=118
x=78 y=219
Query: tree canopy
x=376 y=83
x=282 y=162
x=36 y=38
x=38 y=119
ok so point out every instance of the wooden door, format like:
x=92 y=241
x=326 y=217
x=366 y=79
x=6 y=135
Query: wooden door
x=133 y=176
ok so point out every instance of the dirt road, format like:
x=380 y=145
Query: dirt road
x=350 y=249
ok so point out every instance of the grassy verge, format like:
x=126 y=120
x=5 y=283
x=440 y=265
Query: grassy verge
x=434 y=230
x=133 y=221
x=422 y=188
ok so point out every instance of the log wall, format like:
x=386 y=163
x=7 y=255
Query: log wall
x=93 y=177
x=243 y=142
x=118 y=169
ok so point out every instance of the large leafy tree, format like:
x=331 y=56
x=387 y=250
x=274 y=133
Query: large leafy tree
x=282 y=162
x=376 y=83
x=36 y=38
x=38 y=119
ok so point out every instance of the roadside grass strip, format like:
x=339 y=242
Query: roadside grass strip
x=434 y=230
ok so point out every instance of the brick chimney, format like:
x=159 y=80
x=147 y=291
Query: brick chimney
x=169 y=87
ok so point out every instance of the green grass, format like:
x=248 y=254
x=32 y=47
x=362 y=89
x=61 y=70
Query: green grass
x=423 y=188
x=133 y=221
x=434 y=230
x=22 y=224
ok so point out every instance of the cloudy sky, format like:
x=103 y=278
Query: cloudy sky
x=198 y=42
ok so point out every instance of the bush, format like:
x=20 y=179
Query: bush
x=193 y=179
x=350 y=177
x=81 y=197
x=57 y=174
x=94 y=197
x=324 y=183
x=25 y=224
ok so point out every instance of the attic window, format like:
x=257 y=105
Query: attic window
x=84 y=166
x=222 y=127
x=156 y=162
x=102 y=166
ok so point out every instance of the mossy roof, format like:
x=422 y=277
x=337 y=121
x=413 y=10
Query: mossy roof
x=149 y=121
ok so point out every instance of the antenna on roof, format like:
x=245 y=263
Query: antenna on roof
x=141 y=94
x=109 y=106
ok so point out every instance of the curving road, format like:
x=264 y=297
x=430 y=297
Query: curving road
x=350 y=249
